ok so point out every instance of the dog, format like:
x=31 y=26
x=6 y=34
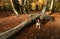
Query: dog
x=38 y=24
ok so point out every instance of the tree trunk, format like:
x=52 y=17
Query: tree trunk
x=12 y=4
x=52 y=6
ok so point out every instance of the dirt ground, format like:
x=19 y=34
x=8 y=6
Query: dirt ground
x=50 y=30
x=9 y=20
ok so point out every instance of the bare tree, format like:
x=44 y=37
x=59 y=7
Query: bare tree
x=52 y=5
x=11 y=1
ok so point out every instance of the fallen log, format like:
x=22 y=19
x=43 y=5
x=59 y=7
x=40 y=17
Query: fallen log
x=10 y=32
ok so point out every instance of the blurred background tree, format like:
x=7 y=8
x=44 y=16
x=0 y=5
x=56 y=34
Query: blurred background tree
x=5 y=4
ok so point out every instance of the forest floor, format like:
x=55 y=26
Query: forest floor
x=50 y=30
x=9 y=20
